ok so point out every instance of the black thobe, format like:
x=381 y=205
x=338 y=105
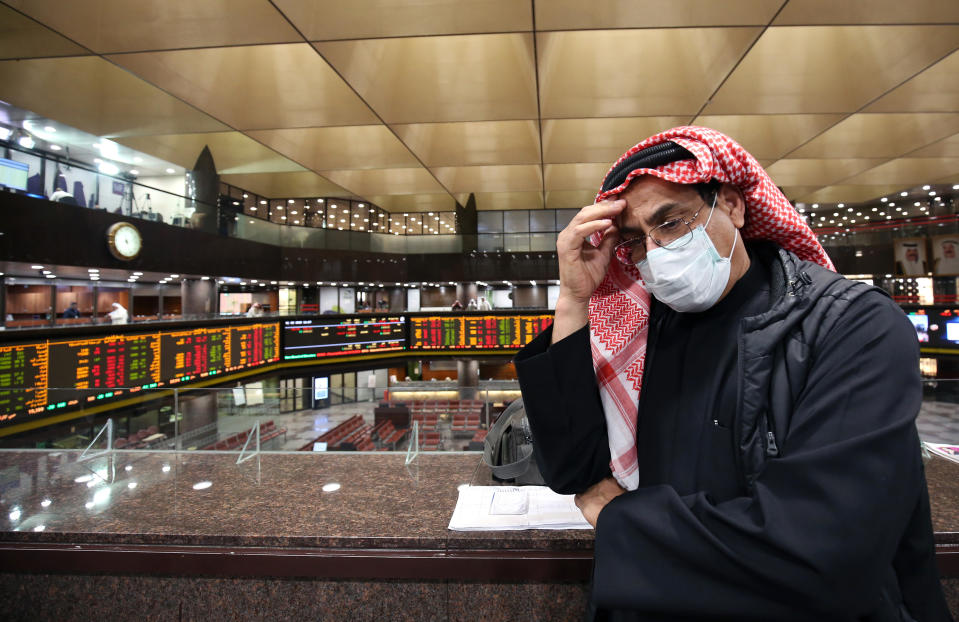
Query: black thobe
x=820 y=531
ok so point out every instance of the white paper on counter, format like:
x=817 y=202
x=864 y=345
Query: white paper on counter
x=499 y=508
x=947 y=451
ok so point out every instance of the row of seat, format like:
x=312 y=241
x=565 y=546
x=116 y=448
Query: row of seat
x=388 y=435
x=447 y=407
x=135 y=440
x=463 y=423
x=268 y=431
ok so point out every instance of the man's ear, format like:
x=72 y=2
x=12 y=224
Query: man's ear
x=732 y=200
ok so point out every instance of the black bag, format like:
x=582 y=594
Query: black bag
x=508 y=449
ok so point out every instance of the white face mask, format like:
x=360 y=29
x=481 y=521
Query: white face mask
x=688 y=275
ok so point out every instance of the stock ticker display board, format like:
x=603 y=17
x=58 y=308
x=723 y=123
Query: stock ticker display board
x=324 y=337
x=63 y=374
x=475 y=332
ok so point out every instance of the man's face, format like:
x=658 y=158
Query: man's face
x=949 y=250
x=912 y=254
x=650 y=202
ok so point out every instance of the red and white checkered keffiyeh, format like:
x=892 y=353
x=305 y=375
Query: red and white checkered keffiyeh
x=619 y=308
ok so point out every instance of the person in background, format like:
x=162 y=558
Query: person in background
x=255 y=310
x=71 y=312
x=736 y=420
x=119 y=314
x=62 y=196
x=471 y=305
x=457 y=305
x=483 y=304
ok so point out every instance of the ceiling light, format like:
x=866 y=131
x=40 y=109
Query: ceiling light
x=289 y=200
x=50 y=129
x=320 y=201
x=815 y=205
x=202 y=485
x=262 y=202
x=108 y=168
x=47 y=272
x=51 y=276
x=204 y=278
x=933 y=193
x=903 y=193
x=26 y=141
x=883 y=200
x=170 y=171
x=926 y=187
x=841 y=205
x=36 y=267
x=246 y=196
x=361 y=205
x=55 y=147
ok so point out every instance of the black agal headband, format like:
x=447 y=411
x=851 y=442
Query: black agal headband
x=650 y=157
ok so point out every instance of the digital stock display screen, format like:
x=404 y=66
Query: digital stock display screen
x=37 y=378
x=324 y=337
x=479 y=332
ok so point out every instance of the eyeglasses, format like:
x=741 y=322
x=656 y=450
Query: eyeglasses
x=670 y=235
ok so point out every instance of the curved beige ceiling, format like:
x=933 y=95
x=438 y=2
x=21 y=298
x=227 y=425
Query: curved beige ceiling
x=415 y=104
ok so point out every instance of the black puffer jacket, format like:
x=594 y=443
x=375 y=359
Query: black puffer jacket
x=833 y=523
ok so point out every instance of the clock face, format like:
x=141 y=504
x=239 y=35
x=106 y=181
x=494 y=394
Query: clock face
x=125 y=241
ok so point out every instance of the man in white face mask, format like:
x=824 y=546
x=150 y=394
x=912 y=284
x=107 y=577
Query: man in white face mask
x=736 y=419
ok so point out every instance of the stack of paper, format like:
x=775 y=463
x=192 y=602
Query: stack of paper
x=495 y=508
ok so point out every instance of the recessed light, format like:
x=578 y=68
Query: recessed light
x=170 y=171
x=133 y=171
x=36 y=267
x=55 y=147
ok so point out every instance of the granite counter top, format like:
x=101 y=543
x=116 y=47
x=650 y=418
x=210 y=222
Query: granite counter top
x=277 y=500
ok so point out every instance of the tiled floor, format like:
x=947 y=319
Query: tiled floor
x=938 y=422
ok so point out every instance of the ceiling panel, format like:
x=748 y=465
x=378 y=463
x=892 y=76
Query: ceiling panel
x=570 y=199
x=285 y=185
x=386 y=181
x=232 y=152
x=576 y=176
x=255 y=87
x=362 y=19
x=934 y=90
x=488 y=201
x=828 y=68
x=432 y=79
x=107 y=26
x=885 y=135
x=472 y=144
x=95 y=96
x=599 y=140
x=945 y=148
x=352 y=147
x=796 y=172
x=625 y=73
x=770 y=136
x=850 y=193
x=399 y=203
x=596 y=14
x=515 y=178
x=21 y=37
x=908 y=171
x=799 y=12
x=795 y=193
